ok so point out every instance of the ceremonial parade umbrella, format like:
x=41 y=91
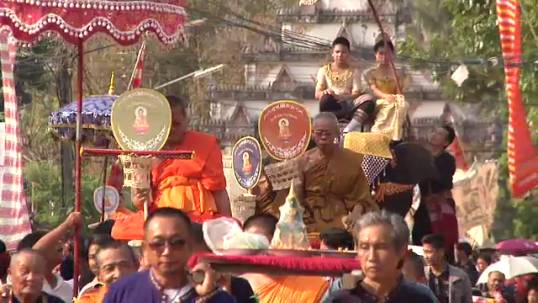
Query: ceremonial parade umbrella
x=517 y=247
x=96 y=112
x=76 y=21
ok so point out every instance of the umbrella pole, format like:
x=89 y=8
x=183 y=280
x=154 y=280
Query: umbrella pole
x=78 y=163
x=105 y=164
x=389 y=54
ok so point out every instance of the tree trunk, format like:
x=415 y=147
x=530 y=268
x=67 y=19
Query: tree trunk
x=65 y=96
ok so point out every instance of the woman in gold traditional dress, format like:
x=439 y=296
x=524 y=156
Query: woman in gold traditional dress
x=391 y=107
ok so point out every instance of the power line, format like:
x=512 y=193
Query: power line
x=311 y=42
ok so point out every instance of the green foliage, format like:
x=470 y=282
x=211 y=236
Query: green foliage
x=45 y=194
x=450 y=32
x=38 y=143
x=525 y=224
x=32 y=71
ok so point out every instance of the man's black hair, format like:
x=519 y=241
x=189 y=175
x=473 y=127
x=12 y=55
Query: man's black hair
x=115 y=244
x=99 y=239
x=465 y=247
x=337 y=238
x=342 y=41
x=168 y=212
x=435 y=240
x=30 y=240
x=451 y=133
x=381 y=44
x=267 y=221
x=104 y=228
x=485 y=256
x=176 y=101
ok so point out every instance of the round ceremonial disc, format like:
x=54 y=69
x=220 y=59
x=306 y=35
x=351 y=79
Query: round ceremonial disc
x=285 y=129
x=111 y=200
x=141 y=120
x=247 y=162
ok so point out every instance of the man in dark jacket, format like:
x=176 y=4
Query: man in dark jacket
x=168 y=245
x=383 y=239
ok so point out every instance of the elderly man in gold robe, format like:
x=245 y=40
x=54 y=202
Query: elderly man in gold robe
x=332 y=187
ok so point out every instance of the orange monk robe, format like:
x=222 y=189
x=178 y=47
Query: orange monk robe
x=95 y=295
x=284 y=289
x=188 y=184
x=184 y=184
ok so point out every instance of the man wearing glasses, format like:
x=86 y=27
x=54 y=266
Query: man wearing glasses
x=167 y=248
x=332 y=182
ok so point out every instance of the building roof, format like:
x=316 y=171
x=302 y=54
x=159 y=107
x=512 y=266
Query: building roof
x=300 y=73
x=428 y=110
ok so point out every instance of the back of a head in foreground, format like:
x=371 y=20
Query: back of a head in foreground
x=413 y=268
x=264 y=224
x=30 y=240
x=399 y=232
x=337 y=238
x=104 y=228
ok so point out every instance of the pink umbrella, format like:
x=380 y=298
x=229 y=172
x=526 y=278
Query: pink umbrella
x=517 y=247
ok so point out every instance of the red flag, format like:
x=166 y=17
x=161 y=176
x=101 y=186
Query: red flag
x=522 y=155
x=14 y=219
x=136 y=77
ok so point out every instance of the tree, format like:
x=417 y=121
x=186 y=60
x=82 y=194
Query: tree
x=51 y=62
x=44 y=192
x=468 y=33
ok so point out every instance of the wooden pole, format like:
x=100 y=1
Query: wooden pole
x=105 y=164
x=78 y=164
x=389 y=55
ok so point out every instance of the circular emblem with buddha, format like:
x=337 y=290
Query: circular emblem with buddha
x=285 y=129
x=110 y=202
x=141 y=120
x=247 y=162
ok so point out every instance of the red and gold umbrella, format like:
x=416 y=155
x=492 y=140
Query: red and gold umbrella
x=75 y=21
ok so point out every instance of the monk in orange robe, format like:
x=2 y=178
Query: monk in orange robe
x=196 y=186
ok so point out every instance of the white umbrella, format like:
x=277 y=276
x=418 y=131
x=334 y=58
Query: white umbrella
x=511 y=267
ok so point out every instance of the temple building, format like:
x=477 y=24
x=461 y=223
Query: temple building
x=286 y=69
